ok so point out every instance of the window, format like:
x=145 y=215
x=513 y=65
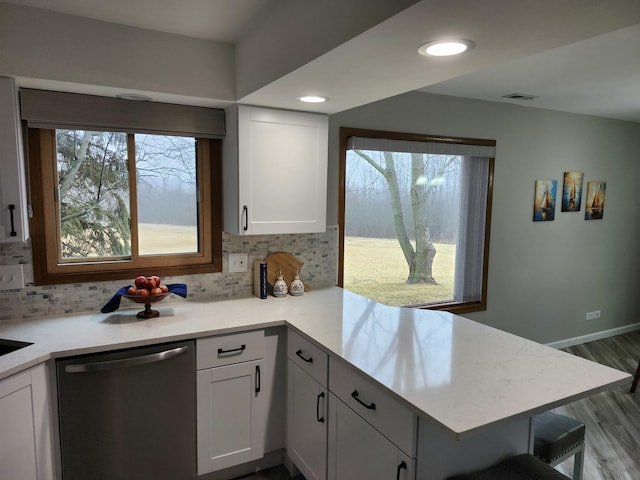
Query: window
x=93 y=205
x=112 y=204
x=415 y=214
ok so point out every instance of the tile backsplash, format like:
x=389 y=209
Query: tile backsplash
x=318 y=251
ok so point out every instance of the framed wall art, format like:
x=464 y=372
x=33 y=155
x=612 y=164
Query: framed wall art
x=544 y=202
x=572 y=191
x=594 y=206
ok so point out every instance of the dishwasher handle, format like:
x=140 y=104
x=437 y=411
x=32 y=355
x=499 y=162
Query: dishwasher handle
x=125 y=362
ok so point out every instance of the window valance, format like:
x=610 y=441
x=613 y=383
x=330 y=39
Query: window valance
x=440 y=147
x=48 y=109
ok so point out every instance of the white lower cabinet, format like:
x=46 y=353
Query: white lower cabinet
x=231 y=401
x=372 y=435
x=25 y=423
x=359 y=451
x=307 y=424
x=340 y=424
x=307 y=407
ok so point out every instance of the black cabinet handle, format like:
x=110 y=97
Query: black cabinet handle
x=402 y=466
x=240 y=349
x=257 y=378
x=308 y=360
x=245 y=215
x=318 y=417
x=370 y=406
x=13 y=228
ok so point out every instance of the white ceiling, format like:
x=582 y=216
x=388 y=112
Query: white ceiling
x=598 y=76
x=580 y=56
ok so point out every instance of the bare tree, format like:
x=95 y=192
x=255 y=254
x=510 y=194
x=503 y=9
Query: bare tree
x=426 y=170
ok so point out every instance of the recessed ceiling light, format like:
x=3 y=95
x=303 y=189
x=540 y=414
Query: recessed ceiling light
x=312 y=99
x=445 y=48
x=134 y=96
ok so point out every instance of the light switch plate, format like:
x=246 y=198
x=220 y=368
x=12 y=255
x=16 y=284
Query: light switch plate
x=11 y=277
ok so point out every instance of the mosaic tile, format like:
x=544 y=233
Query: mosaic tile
x=318 y=251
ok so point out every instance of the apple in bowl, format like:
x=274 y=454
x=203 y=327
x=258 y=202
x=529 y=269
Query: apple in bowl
x=147 y=286
x=147 y=290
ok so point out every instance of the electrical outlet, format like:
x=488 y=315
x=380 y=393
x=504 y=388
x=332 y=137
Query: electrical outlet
x=238 y=262
x=593 y=315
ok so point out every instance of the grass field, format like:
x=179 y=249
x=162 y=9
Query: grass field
x=376 y=268
x=156 y=238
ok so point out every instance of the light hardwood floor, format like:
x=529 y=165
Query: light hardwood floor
x=612 y=417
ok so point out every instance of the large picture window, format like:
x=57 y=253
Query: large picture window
x=415 y=213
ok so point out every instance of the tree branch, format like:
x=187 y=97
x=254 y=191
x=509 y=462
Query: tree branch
x=91 y=207
x=371 y=162
x=78 y=159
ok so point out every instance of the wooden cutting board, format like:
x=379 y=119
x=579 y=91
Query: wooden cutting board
x=287 y=264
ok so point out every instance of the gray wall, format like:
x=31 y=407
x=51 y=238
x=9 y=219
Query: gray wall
x=543 y=276
x=40 y=44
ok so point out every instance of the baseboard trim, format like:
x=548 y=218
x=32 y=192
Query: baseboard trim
x=612 y=332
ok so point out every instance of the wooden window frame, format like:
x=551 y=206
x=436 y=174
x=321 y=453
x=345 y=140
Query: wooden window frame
x=41 y=152
x=345 y=133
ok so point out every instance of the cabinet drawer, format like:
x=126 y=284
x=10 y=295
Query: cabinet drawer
x=307 y=356
x=378 y=407
x=229 y=349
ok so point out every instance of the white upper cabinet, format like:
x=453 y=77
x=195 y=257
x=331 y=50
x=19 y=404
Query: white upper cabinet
x=275 y=171
x=14 y=222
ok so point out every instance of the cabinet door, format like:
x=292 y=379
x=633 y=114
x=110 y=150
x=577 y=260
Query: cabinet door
x=25 y=445
x=282 y=171
x=357 y=450
x=230 y=416
x=307 y=423
x=13 y=188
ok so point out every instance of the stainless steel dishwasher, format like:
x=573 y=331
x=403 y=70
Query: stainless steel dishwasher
x=129 y=414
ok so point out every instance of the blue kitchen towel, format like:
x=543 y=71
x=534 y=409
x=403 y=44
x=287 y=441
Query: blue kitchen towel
x=113 y=304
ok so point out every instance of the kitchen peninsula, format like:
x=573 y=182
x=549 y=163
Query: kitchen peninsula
x=472 y=389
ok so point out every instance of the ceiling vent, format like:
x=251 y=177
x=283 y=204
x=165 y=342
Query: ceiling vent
x=520 y=96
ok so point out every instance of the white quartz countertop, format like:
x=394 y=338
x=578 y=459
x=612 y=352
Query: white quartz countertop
x=455 y=372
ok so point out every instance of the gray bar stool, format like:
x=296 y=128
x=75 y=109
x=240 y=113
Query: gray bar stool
x=636 y=378
x=520 y=467
x=558 y=437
